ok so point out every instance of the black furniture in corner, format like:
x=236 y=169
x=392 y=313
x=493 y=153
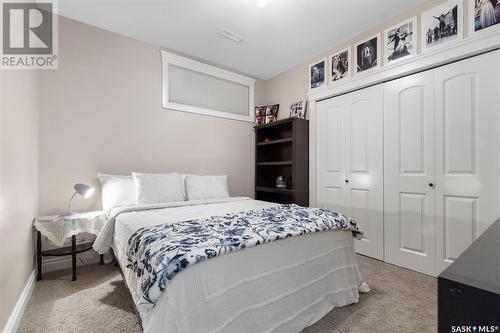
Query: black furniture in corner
x=282 y=149
x=469 y=289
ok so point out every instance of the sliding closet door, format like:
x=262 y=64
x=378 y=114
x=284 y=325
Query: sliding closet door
x=467 y=152
x=409 y=172
x=364 y=167
x=331 y=115
x=350 y=162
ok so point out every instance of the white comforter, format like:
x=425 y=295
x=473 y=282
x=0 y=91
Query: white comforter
x=259 y=289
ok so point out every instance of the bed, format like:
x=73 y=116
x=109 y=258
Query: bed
x=279 y=286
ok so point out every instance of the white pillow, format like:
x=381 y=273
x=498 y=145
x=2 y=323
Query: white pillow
x=206 y=187
x=158 y=188
x=117 y=191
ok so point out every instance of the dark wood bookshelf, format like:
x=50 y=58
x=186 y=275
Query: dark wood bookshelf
x=282 y=149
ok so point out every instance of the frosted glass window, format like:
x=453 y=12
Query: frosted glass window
x=197 y=89
x=191 y=86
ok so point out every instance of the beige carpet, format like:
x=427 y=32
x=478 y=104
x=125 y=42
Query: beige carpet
x=400 y=301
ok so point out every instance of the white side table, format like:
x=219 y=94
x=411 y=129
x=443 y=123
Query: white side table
x=58 y=228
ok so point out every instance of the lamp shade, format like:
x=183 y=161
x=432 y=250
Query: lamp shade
x=84 y=190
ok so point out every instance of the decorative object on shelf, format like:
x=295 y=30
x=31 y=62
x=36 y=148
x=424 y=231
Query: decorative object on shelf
x=282 y=161
x=367 y=53
x=58 y=228
x=401 y=41
x=272 y=113
x=280 y=182
x=260 y=115
x=484 y=14
x=441 y=24
x=82 y=189
x=340 y=65
x=298 y=109
x=317 y=74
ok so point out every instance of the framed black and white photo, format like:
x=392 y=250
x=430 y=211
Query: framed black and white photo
x=400 y=41
x=367 y=53
x=441 y=25
x=340 y=65
x=484 y=15
x=298 y=109
x=317 y=74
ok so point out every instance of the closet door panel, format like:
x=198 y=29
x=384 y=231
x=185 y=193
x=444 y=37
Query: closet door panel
x=331 y=155
x=408 y=170
x=467 y=152
x=364 y=167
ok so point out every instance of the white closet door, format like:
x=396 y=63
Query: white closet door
x=467 y=152
x=409 y=172
x=331 y=115
x=350 y=162
x=364 y=167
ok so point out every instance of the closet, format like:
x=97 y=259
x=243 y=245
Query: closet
x=350 y=162
x=432 y=139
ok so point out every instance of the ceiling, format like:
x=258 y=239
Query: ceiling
x=276 y=37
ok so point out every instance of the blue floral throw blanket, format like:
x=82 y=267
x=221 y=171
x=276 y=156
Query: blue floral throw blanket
x=157 y=254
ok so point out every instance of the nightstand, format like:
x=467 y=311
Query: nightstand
x=58 y=228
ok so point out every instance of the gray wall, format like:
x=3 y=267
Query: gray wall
x=101 y=112
x=18 y=182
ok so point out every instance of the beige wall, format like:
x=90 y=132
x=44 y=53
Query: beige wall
x=101 y=112
x=292 y=85
x=18 y=182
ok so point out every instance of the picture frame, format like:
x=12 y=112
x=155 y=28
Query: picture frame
x=266 y=114
x=441 y=25
x=367 y=55
x=484 y=17
x=400 y=41
x=299 y=109
x=340 y=65
x=317 y=74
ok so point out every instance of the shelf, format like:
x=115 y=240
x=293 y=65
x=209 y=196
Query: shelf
x=274 y=190
x=274 y=163
x=272 y=142
x=66 y=251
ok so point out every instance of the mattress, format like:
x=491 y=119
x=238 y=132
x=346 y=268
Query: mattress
x=281 y=286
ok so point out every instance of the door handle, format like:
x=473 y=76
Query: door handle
x=431 y=185
x=347 y=181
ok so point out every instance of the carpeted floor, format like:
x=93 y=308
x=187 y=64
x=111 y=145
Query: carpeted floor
x=400 y=301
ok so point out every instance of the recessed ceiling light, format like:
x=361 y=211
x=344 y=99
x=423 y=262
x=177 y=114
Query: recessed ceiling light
x=262 y=3
x=230 y=35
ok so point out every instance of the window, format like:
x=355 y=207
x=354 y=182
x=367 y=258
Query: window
x=195 y=87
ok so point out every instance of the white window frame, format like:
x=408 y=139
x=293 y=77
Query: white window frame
x=196 y=66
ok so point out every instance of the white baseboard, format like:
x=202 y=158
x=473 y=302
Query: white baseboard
x=22 y=302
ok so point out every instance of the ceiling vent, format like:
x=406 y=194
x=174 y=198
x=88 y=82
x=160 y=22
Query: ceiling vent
x=230 y=35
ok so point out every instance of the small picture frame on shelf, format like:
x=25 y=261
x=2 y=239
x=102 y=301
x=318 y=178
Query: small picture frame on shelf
x=266 y=114
x=441 y=25
x=367 y=54
x=298 y=109
x=340 y=65
x=317 y=74
x=484 y=16
x=400 y=41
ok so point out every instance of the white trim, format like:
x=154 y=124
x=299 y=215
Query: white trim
x=173 y=59
x=471 y=20
x=415 y=32
x=321 y=87
x=18 y=311
x=379 y=56
x=460 y=30
x=349 y=66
